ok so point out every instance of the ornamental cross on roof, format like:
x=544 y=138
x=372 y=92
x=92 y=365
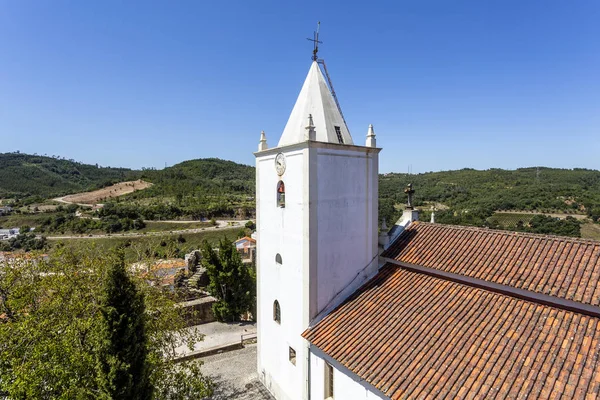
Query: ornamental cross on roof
x=316 y=41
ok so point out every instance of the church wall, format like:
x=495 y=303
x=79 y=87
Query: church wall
x=283 y=231
x=345 y=385
x=346 y=220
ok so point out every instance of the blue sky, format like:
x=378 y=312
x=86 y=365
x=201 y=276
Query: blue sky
x=447 y=84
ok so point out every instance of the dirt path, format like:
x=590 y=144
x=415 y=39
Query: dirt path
x=222 y=224
x=62 y=200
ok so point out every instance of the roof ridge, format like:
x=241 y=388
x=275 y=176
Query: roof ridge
x=507 y=232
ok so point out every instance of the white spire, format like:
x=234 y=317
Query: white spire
x=262 y=145
x=371 y=142
x=316 y=99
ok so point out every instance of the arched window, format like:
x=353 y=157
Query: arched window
x=276 y=312
x=280 y=194
x=278 y=259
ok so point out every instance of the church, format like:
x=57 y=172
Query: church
x=420 y=311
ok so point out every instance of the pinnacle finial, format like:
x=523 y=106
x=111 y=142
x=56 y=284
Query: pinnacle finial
x=409 y=191
x=384 y=226
x=311 y=134
x=371 y=131
x=371 y=141
x=262 y=144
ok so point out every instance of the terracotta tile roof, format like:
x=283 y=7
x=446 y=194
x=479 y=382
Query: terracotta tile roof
x=563 y=267
x=247 y=238
x=413 y=335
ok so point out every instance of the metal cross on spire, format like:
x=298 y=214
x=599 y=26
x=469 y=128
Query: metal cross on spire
x=316 y=41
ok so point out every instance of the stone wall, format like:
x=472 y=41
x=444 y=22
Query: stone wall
x=198 y=311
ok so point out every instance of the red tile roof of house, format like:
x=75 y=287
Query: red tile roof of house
x=414 y=335
x=567 y=268
x=248 y=238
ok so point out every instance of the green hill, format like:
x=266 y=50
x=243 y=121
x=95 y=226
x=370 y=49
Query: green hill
x=195 y=189
x=470 y=196
x=23 y=175
x=199 y=177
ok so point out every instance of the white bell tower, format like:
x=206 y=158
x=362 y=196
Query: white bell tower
x=316 y=209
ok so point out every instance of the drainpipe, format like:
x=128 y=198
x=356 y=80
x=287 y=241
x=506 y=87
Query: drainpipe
x=308 y=377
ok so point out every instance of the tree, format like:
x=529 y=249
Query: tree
x=60 y=322
x=123 y=359
x=231 y=282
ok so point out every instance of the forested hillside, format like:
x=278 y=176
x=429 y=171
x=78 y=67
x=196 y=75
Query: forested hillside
x=194 y=189
x=23 y=175
x=194 y=177
x=471 y=197
x=209 y=188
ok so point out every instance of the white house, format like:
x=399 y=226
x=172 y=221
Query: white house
x=444 y=311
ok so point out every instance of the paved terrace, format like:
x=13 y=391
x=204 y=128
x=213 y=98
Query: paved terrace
x=218 y=335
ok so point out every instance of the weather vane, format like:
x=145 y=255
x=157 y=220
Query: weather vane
x=316 y=41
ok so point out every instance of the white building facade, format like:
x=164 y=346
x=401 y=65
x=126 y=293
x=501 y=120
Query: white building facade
x=317 y=240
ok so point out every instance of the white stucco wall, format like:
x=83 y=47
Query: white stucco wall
x=346 y=218
x=344 y=386
x=281 y=230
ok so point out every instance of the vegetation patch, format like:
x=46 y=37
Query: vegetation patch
x=140 y=248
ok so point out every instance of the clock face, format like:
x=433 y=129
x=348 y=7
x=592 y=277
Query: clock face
x=280 y=164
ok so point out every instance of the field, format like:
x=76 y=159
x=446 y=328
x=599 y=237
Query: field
x=510 y=220
x=136 y=248
x=103 y=194
x=590 y=231
x=18 y=220
x=161 y=226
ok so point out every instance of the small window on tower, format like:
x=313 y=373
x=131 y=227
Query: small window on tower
x=276 y=312
x=280 y=194
x=338 y=132
x=278 y=259
x=292 y=356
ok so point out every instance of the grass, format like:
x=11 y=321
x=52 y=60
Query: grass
x=169 y=246
x=590 y=231
x=160 y=226
x=18 y=220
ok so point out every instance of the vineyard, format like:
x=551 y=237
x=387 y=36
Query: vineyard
x=510 y=220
